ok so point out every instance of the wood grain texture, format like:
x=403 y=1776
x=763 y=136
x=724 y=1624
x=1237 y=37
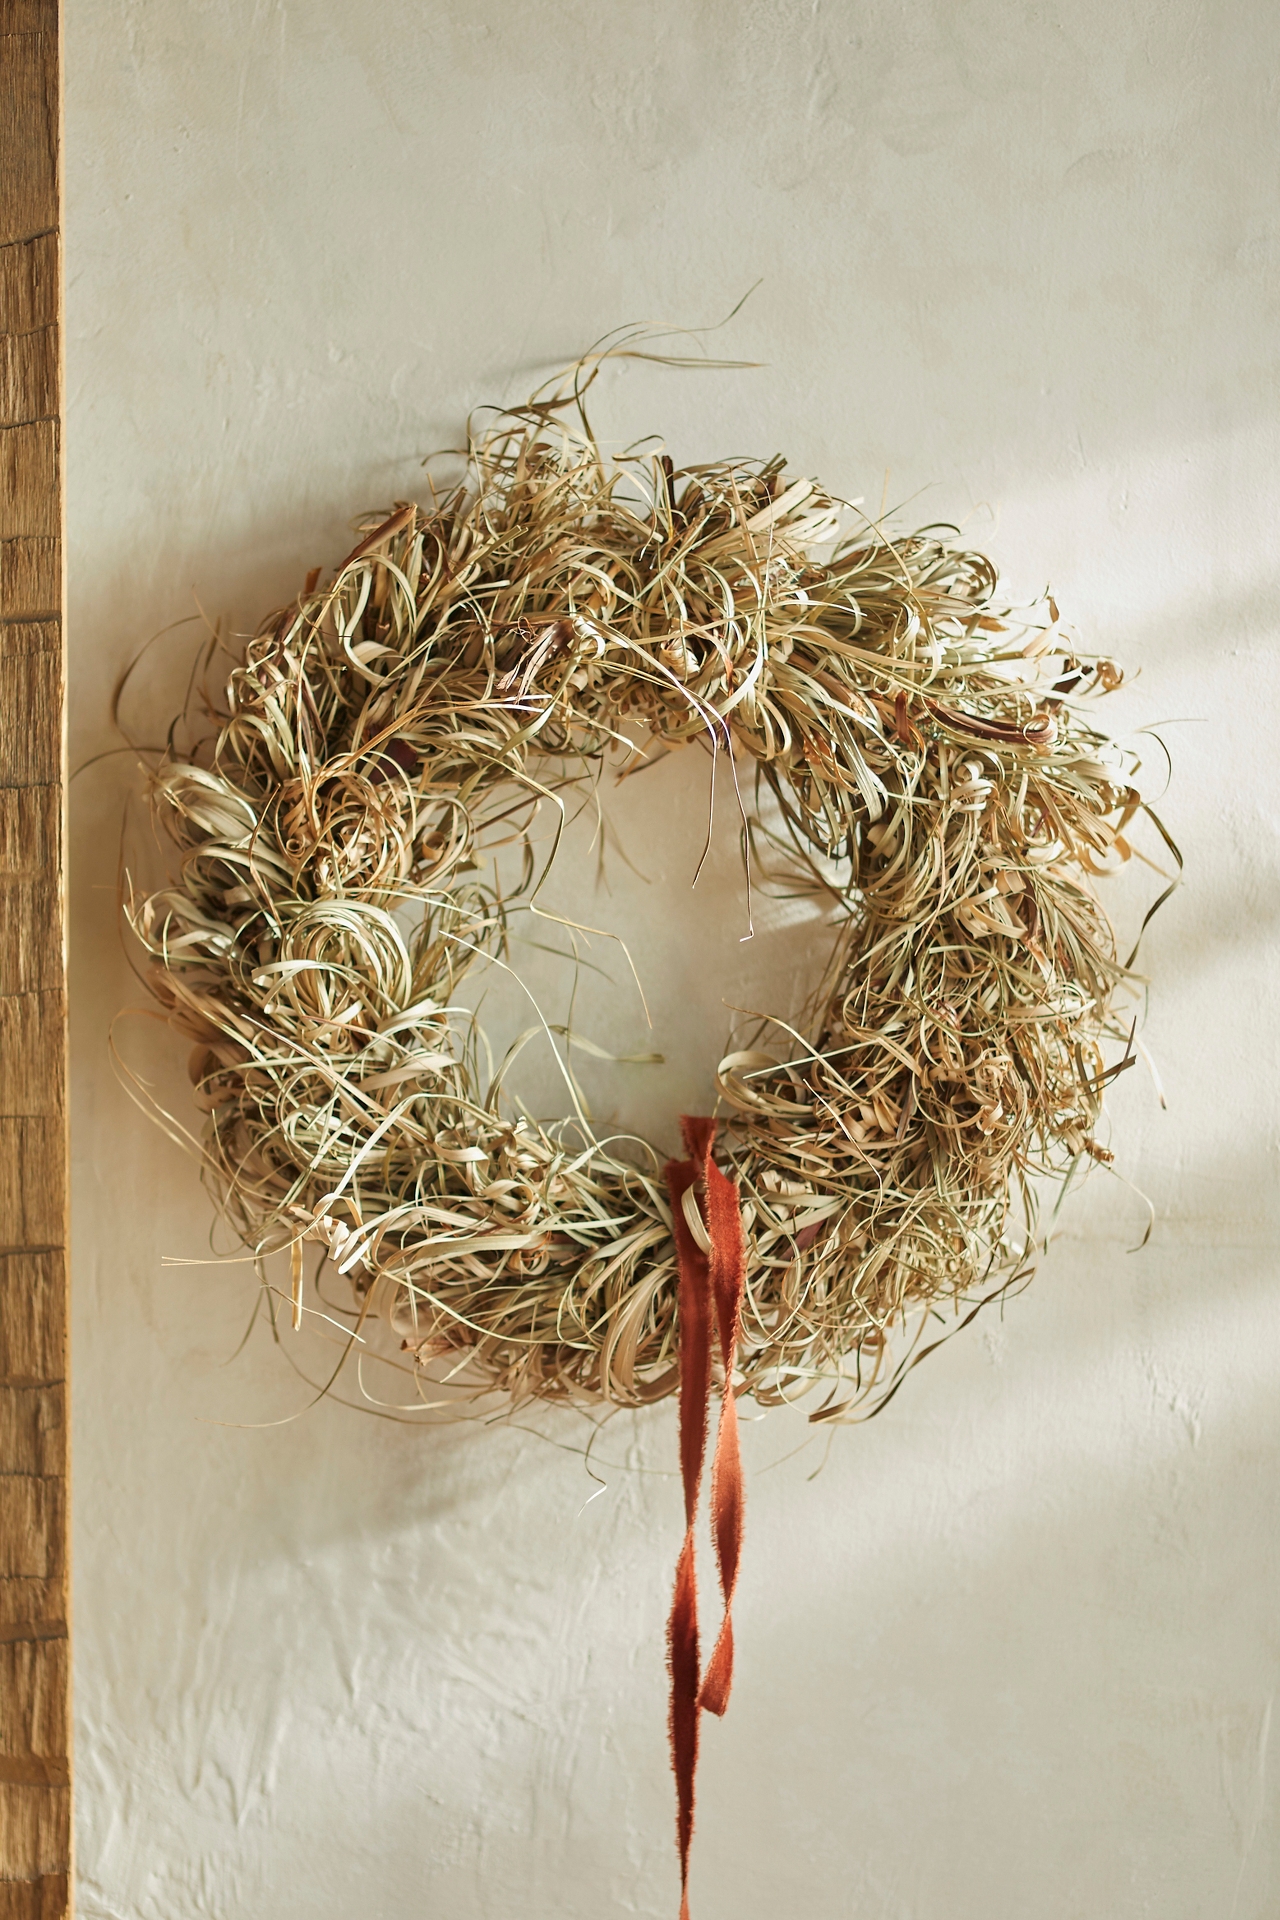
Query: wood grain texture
x=35 y=1799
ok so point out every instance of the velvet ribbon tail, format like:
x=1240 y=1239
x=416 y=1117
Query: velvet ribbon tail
x=710 y=1301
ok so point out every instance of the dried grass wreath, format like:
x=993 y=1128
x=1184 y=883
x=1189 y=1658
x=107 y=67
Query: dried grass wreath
x=933 y=759
x=921 y=754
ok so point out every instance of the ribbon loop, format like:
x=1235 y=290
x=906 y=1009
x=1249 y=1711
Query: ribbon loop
x=710 y=1290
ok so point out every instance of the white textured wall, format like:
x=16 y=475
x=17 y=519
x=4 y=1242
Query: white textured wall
x=1015 y=1651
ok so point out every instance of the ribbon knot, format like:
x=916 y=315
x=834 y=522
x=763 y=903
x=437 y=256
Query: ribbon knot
x=707 y=1226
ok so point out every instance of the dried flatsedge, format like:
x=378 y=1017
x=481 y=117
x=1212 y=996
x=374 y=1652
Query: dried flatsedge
x=466 y=666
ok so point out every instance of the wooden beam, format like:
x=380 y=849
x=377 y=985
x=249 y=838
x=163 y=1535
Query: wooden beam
x=35 y=1747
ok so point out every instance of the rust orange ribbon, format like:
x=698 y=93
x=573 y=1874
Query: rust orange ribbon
x=711 y=1282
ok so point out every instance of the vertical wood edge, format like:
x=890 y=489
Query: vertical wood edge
x=35 y=1746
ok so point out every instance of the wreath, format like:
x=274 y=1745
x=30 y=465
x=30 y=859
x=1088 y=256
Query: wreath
x=938 y=771
x=929 y=760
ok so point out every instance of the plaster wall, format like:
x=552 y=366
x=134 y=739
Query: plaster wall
x=1014 y=1650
